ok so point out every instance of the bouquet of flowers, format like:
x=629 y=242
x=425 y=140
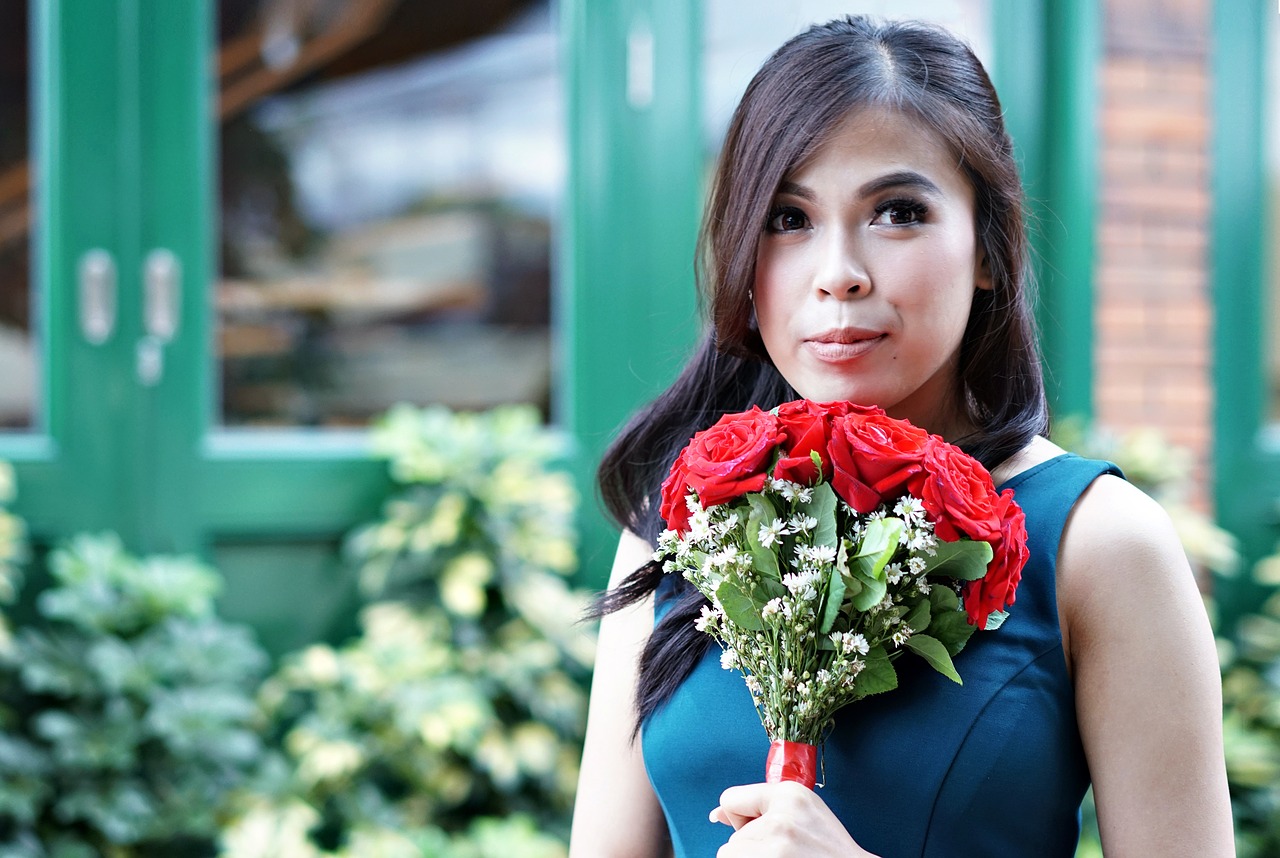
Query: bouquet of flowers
x=829 y=538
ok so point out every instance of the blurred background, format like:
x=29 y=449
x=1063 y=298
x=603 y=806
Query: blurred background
x=235 y=233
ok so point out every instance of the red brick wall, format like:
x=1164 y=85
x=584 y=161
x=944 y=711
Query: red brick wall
x=1153 y=316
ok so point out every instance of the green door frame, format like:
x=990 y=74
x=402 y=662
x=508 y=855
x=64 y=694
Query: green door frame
x=1047 y=58
x=636 y=157
x=124 y=153
x=635 y=193
x=1246 y=450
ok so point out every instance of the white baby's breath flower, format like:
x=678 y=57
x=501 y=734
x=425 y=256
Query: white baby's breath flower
x=729 y=658
x=804 y=495
x=909 y=507
x=707 y=618
x=668 y=541
x=894 y=572
x=916 y=565
x=786 y=488
x=923 y=585
x=901 y=636
x=824 y=554
x=700 y=525
x=771 y=608
x=920 y=540
x=803 y=524
x=850 y=642
x=726 y=557
x=753 y=685
x=771 y=534
x=729 y=523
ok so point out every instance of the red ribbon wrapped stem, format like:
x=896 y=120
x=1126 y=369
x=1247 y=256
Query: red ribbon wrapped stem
x=792 y=761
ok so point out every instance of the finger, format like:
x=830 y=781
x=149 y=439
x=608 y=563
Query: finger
x=744 y=802
x=725 y=817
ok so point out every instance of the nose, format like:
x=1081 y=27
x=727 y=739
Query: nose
x=840 y=273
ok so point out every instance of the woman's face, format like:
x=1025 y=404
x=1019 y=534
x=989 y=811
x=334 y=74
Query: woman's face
x=866 y=271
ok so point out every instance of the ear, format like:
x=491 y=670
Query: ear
x=982 y=271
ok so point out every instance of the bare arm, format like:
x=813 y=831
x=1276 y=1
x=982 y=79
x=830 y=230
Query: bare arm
x=616 y=814
x=1148 y=687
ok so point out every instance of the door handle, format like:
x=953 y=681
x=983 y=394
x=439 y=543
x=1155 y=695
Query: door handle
x=162 y=298
x=96 y=274
x=161 y=309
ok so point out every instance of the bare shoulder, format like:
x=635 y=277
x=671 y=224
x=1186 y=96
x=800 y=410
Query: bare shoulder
x=1121 y=566
x=1120 y=544
x=1145 y=672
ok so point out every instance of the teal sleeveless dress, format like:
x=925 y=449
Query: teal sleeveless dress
x=932 y=769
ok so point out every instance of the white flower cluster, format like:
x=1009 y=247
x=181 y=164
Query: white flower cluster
x=781 y=570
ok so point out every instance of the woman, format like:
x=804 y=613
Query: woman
x=864 y=241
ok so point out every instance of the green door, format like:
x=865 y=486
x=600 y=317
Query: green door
x=1246 y=279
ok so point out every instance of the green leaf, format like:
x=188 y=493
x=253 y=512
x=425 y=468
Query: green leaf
x=965 y=559
x=881 y=536
x=878 y=676
x=835 y=595
x=872 y=586
x=995 y=620
x=918 y=617
x=952 y=628
x=823 y=508
x=763 y=560
x=936 y=654
x=943 y=599
x=740 y=608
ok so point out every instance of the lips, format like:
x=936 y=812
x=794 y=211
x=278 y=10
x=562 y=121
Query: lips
x=843 y=344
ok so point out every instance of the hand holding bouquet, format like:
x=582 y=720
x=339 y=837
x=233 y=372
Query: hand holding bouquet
x=829 y=538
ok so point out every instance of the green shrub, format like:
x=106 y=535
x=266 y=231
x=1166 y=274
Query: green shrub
x=126 y=709
x=1251 y=723
x=452 y=725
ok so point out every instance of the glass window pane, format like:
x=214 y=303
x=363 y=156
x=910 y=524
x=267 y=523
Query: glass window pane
x=389 y=177
x=17 y=348
x=1271 y=171
x=741 y=34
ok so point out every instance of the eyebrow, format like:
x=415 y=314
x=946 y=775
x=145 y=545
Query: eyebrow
x=896 y=179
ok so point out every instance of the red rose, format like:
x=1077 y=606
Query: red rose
x=674 y=510
x=723 y=462
x=997 y=589
x=958 y=494
x=875 y=457
x=806 y=428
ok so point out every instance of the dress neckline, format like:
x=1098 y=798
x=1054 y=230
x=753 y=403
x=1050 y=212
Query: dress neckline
x=1023 y=475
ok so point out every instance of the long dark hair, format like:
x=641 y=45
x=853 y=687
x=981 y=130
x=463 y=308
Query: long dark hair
x=801 y=93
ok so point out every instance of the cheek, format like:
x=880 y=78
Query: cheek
x=770 y=293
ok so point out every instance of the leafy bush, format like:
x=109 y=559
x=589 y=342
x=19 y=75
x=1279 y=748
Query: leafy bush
x=126 y=709
x=452 y=724
x=1251 y=723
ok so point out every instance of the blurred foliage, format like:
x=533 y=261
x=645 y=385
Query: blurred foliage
x=452 y=725
x=1251 y=719
x=126 y=707
x=14 y=551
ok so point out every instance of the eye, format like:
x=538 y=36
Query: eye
x=900 y=212
x=786 y=219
